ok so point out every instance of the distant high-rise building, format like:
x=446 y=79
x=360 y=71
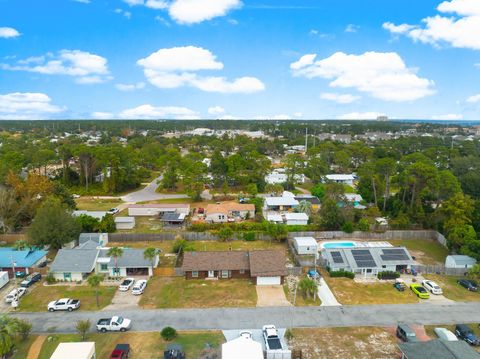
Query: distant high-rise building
x=382 y=118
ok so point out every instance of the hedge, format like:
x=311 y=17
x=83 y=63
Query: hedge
x=246 y=227
x=388 y=275
x=341 y=273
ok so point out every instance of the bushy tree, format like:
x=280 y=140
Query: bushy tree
x=82 y=327
x=88 y=224
x=168 y=333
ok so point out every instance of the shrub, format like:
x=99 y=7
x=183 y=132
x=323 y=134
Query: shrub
x=83 y=326
x=289 y=334
x=50 y=279
x=342 y=273
x=181 y=245
x=363 y=225
x=24 y=328
x=249 y=236
x=388 y=275
x=347 y=227
x=225 y=233
x=168 y=333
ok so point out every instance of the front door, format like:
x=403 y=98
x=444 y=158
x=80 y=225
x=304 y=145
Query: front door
x=211 y=274
x=67 y=276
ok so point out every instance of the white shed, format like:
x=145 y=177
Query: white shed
x=305 y=245
x=242 y=347
x=81 y=350
x=296 y=219
x=459 y=261
x=125 y=222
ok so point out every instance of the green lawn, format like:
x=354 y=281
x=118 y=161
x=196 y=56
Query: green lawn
x=38 y=297
x=93 y=204
x=425 y=251
x=144 y=345
x=22 y=347
x=171 y=200
x=177 y=292
x=301 y=300
x=452 y=290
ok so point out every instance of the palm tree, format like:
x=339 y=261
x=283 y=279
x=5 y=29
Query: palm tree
x=305 y=207
x=150 y=254
x=20 y=245
x=307 y=286
x=8 y=330
x=115 y=252
x=94 y=281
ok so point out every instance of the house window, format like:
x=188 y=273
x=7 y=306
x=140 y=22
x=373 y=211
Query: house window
x=242 y=271
x=103 y=267
x=224 y=273
x=384 y=266
x=194 y=274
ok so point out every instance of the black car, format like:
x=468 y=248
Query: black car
x=463 y=331
x=468 y=284
x=30 y=280
x=174 y=351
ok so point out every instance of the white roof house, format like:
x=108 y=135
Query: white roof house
x=296 y=219
x=459 y=261
x=342 y=178
x=80 y=350
x=241 y=348
x=281 y=201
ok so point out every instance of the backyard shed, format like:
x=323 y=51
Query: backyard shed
x=460 y=261
x=305 y=245
x=124 y=222
x=81 y=350
x=293 y=219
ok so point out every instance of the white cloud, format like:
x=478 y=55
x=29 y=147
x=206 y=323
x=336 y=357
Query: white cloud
x=448 y=117
x=477 y=65
x=216 y=110
x=360 y=116
x=85 y=67
x=195 y=11
x=130 y=87
x=124 y=13
x=150 y=112
x=102 y=115
x=460 y=29
x=339 y=98
x=298 y=114
x=156 y=4
x=27 y=105
x=178 y=66
x=382 y=75
x=474 y=99
x=352 y=28
x=8 y=32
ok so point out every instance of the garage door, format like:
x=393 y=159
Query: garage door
x=268 y=280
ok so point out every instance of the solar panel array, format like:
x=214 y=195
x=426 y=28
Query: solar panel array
x=337 y=257
x=396 y=254
x=363 y=258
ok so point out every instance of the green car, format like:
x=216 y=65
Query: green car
x=419 y=291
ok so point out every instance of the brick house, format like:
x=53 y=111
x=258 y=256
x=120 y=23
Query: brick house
x=266 y=267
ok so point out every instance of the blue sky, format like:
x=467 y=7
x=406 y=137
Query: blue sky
x=303 y=59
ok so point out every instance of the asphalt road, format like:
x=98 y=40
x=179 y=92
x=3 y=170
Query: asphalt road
x=282 y=317
x=149 y=193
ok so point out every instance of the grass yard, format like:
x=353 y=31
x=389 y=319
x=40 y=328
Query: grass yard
x=425 y=251
x=175 y=292
x=143 y=225
x=300 y=300
x=38 y=297
x=144 y=345
x=349 y=292
x=339 y=343
x=452 y=290
x=22 y=347
x=170 y=200
x=94 y=204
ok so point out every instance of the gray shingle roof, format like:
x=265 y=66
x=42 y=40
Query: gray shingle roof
x=74 y=260
x=438 y=349
x=85 y=237
x=131 y=258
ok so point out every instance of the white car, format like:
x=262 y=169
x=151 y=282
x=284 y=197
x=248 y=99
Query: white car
x=64 y=304
x=126 y=284
x=113 y=211
x=445 y=334
x=432 y=287
x=15 y=294
x=139 y=287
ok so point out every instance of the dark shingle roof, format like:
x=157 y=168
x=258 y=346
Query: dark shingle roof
x=438 y=349
x=267 y=263
x=227 y=260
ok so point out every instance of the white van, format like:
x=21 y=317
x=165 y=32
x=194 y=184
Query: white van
x=15 y=295
x=445 y=334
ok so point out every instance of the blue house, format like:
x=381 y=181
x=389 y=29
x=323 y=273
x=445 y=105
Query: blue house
x=23 y=261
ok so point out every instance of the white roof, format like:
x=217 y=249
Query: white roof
x=340 y=177
x=296 y=216
x=287 y=194
x=94 y=214
x=82 y=350
x=242 y=348
x=462 y=260
x=124 y=219
x=305 y=241
x=281 y=201
x=274 y=218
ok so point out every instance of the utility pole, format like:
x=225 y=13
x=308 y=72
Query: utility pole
x=306 y=139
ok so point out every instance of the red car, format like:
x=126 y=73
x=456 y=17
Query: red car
x=121 y=351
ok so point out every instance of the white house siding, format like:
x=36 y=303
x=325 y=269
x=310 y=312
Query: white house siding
x=293 y=222
x=75 y=276
x=277 y=280
x=216 y=218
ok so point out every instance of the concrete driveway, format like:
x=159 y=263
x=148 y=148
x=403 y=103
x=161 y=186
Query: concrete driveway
x=271 y=296
x=326 y=295
x=434 y=298
x=149 y=193
x=123 y=300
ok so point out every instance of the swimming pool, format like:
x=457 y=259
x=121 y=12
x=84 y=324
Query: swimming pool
x=339 y=245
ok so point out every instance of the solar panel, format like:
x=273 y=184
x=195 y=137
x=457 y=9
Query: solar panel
x=337 y=257
x=363 y=258
x=397 y=254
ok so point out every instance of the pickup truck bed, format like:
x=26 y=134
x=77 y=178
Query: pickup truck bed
x=104 y=321
x=274 y=343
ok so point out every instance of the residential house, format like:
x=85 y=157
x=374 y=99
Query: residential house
x=266 y=267
x=346 y=179
x=100 y=238
x=279 y=176
x=280 y=204
x=24 y=261
x=314 y=201
x=124 y=222
x=368 y=261
x=459 y=261
x=75 y=264
x=440 y=349
x=228 y=211
x=158 y=209
x=242 y=347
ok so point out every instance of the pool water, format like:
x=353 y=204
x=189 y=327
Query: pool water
x=339 y=245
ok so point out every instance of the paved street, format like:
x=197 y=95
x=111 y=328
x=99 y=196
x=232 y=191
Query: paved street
x=282 y=317
x=149 y=193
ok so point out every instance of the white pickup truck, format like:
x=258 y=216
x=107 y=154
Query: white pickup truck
x=64 y=304
x=114 y=324
x=275 y=349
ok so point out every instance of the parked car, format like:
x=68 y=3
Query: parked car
x=75 y=195
x=126 y=284
x=399 y=285
x=139 y=287
x=113 y=211
x=445 y=334
x=64 y=304
x=419 y=291
x=31 y=279
x=464 y=332
x=174 y=351
x=121 y=351
x=431 y=286
x=114 y=324
x=405 y=333
x=15 y=294
x=468 y=284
